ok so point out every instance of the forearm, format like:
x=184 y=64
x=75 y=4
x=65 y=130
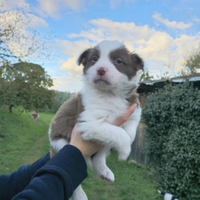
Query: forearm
x=58 y=178
x=12 y=184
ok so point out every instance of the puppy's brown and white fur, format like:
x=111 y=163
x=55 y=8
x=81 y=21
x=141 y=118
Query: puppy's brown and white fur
x=110 y=83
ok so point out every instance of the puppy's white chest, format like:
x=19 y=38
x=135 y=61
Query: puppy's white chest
x=103 y=108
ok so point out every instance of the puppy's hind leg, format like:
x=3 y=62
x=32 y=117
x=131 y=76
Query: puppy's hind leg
x=131 y=125
x=99 y=164
x=79 y=194
x=56 y=145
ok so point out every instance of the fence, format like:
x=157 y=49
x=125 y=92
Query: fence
x=137 y=151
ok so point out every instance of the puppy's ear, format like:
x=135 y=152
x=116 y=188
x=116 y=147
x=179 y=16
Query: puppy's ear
x=83 y=57
x=138 y=62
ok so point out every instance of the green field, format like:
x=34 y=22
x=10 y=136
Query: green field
x=22 y=141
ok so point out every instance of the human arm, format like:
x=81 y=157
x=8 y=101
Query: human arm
x=11 y=184
x=58 y=178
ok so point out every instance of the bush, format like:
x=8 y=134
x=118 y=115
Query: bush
x=59 y=99
x=172 y=116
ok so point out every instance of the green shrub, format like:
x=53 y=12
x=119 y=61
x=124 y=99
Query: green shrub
x=60 y=98
x=172 y=116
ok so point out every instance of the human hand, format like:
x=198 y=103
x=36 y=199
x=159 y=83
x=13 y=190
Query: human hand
x=121 y=120
x=88 y=148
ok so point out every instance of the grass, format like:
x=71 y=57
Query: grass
x=22 y=141
x=132 y=182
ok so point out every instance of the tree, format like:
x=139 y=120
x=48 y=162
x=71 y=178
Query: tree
x=18 y=38
x=3 y=86
x=192 y=63
x=26 y=85
x=146 y=77
x=60 y=98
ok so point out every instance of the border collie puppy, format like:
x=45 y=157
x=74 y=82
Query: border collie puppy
x=109 y=87
x=167 y=196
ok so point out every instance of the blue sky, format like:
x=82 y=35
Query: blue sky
x=163 y=32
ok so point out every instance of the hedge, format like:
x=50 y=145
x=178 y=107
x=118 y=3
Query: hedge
x=172 y=116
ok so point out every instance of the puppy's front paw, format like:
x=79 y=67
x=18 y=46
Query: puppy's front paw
x=82 y=127
x=107 y=174
x=85 y=129
x=123 y=155
x=87 y=135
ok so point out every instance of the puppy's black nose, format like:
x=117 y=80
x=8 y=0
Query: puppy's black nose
x=101 y=71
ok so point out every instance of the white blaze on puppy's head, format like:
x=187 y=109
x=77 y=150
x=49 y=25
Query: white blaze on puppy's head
x=109 y=65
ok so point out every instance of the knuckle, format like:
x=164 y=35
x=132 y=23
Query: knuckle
x=124 y=119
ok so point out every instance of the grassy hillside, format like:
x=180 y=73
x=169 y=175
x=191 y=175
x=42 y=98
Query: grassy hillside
x=23 y=140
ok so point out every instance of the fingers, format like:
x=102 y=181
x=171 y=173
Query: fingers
x=130 y=110
x=87 y=148
x=121 y=120
x=74 y=132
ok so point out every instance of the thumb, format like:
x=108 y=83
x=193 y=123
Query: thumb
x=121 y=120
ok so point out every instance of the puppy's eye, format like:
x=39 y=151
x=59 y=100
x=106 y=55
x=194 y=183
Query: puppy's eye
x=95 y=59
x=118 y=61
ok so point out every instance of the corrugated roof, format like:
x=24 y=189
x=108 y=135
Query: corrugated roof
x=150 y=86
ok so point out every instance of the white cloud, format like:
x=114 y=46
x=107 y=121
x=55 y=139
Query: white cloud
x=197 y=20
x=108 y=29
x=190 y=10
x=186 y=44
x=157 y=48
x=175 y=8
x=72 y=12
x=52 y=7
x=115 y=3
x=68 y=83
x=21 y=20
x=71 y=67
x=13 y=4
x=72 y=50
x=171 y=24
x=35 y=21
x=147 y=41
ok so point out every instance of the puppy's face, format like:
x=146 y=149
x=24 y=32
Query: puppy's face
x=110 y=65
